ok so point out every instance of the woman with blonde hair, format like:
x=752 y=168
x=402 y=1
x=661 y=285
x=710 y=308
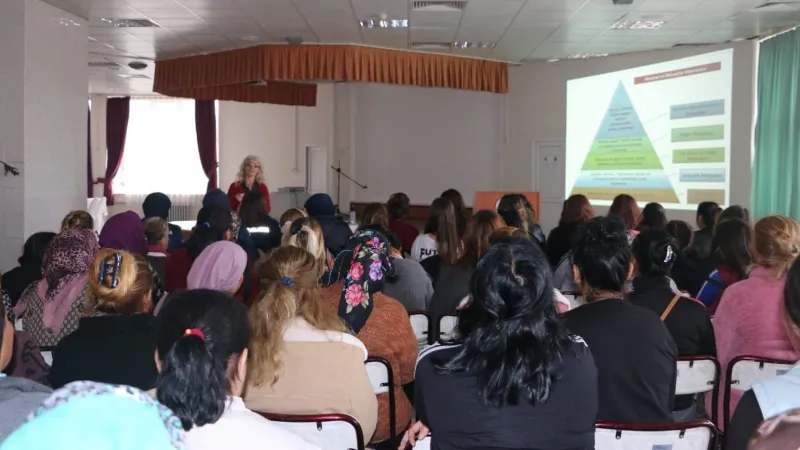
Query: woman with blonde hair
x=289 y=216
x=306 y=233
x=249 y=178
x=114 y=342
x=749 y=318
x=77 y=220
x=302 y=360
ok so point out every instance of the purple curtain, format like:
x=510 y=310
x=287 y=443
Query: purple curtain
x=117 y=112
x=205 y=122
x=89 y=181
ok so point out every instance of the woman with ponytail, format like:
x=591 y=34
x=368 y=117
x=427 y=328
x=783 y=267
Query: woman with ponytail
x=303 y=361
x=201 y=356
x=306 y=233
x=114 y=341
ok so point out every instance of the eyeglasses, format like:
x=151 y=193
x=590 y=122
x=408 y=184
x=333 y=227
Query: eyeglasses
x=252 y=166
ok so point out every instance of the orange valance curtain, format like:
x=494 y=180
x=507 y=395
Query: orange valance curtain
x=226 y=73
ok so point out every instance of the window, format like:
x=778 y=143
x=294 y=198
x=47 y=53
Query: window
x=161 y=150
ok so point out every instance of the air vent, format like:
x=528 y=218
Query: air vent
x=435 y=5
x=430 y=45
x=104 y=64
x=131 y=23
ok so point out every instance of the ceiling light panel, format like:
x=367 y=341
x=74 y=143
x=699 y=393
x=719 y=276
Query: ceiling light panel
x=439 y=6
x=638 y=25
x=129 y=23
x=474 y=45
x=384 y=23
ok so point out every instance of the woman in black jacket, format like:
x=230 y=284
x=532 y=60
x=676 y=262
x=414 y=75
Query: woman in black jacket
x=517 y=211
x=576 y=211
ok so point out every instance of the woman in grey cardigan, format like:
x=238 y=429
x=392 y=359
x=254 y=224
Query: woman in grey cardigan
x=411 y=285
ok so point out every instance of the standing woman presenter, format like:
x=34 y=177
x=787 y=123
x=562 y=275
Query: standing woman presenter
x=250 y=176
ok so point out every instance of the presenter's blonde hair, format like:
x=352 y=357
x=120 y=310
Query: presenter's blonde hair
x=243 y=165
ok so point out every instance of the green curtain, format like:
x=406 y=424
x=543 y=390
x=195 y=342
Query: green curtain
x=776 y=169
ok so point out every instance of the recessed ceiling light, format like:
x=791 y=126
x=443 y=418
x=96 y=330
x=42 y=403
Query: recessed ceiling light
x=249 y=38
x=466 y=44
x=586 y=55
x=384 y=23
x=553 y=60
x=638 y=24
x=130 y=23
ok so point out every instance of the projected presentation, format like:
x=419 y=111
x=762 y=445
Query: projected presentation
x=660 y=133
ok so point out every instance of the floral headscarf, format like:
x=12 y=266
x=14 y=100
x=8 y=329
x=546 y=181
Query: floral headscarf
x=86 y=414
x=364 y=264
x=68 y=257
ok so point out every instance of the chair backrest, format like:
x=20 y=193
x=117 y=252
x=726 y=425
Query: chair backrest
x=421 y=324
x=694 y=435
x=424 y=444
x=699 y=375
x=745 y=370
x=382 y=379
x=447 y=328
x=327 y=431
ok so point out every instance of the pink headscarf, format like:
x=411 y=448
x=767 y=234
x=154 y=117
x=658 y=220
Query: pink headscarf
x=219 y=267
x=64 y=268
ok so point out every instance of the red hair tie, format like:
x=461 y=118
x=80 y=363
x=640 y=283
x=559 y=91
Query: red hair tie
x=195 y=332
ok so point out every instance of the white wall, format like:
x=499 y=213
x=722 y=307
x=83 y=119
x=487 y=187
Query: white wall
x=43 y=89
x=423 y=141
x=277 y=134
x=537 y=111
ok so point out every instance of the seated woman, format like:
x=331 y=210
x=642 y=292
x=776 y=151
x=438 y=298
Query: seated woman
x=303 y=361
x=239 y=234
x=125 y=231
x=686 y=319
x=632 y=348
x=334 y=228
x=576 y=211
x=289 y=216
x=202 y=338
x=380 y=322
x=157 y=205
x=440 y=244
x=769 y=398
x=77 y=220
x=223 y=267
x=687 y=275
x=517 y=211
x=732 y=258
x=114 y=342
x=85 y=414
x=398 y=206
x=453 y=284
x=625 y=208
x=156 y=232
x=265 y=230
x=750 y=318
x=653 y=217
x=460 y=210
x=410 y=286
x=214 y=224
x=306 y=233
x=516 y=379
x=16 y=280
x=50 y=309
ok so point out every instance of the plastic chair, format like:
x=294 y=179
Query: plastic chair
x=327 y=431
x=447 y=328
x=420 y=322
x=694 y=435
x=699 y=375
x=381 y=377
x=745 y=370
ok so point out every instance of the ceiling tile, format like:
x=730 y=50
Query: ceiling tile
x=668 y=5
x=196 y=22
x=365 y=9
x=434 y=19
x=550 y=5
x=159 y=14
x=432 y=34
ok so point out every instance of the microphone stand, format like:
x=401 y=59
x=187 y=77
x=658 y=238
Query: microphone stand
x=339 y=175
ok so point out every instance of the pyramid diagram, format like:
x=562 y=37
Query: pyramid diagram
x=622 y=159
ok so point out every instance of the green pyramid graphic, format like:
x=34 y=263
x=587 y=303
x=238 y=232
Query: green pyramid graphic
x=622 y=158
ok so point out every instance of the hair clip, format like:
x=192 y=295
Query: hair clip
x=287 y=281
x=110 y=267
x=207 y=224
x=670 y=253
x=195 y=332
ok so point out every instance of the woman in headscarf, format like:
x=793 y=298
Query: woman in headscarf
x=380 y=322
x=51 y=308
x=239 y=234
x=334 y=228
x=223 y=266
x=86 y=414
x=125 y=231
x=158 y=205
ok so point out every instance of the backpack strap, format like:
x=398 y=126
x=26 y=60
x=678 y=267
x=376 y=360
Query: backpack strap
x=670 y=306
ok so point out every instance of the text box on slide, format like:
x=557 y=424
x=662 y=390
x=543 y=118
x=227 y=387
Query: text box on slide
x=704 y=133
x=698 y=155
x=685 y=72
x=702 y=175
x=698 y=109
x=696 y=196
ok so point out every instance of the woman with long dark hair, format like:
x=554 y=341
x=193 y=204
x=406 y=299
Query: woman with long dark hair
x=265 y=230
x=29 y=270
x=515 y=378
x=440 y=236
x=576 y=211
x=517 y=211
x=732 y=257
x=632 y=348
x=459 y=208
x=653 y=217
x=398 y=207
x=201 y=355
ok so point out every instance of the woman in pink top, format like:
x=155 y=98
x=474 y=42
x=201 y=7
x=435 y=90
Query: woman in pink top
x=749 y=317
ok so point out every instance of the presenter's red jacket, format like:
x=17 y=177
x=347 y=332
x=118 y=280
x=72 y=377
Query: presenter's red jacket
x=239 y=188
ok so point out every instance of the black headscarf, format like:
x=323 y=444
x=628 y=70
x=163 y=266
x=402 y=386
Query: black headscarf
x=364 y=265
x=156 y=205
